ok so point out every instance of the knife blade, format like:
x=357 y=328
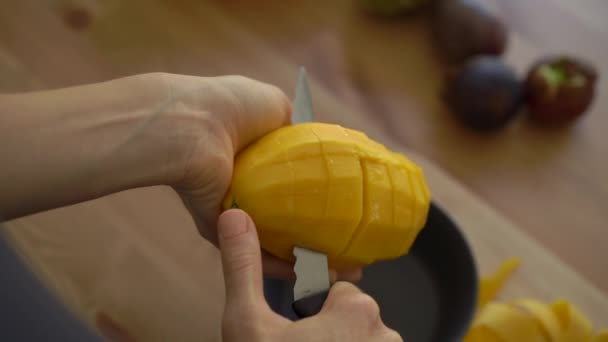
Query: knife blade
x=302 y=103
x=311 y=267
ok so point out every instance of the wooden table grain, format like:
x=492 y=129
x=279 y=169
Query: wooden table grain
x=537 y=194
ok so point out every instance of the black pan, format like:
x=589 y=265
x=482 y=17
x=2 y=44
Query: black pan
x=428 y=295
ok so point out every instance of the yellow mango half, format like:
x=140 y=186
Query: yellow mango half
x=331 y=189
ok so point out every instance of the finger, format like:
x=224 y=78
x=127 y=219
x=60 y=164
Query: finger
x=339 y=292
x=333 y=276
x=261 y=108
x=350 y=275
x=341 y=289
x=241 y=259
x=349 y=301
x=199 y=209
x=277 y=268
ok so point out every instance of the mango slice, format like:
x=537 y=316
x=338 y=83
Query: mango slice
x=575 y=326
x=491 y=285
x=526 y=319
x=508 y=323
x=330 y=189
x=543 y=316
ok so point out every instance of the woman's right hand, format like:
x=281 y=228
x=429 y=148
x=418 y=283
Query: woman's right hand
x=347 y=315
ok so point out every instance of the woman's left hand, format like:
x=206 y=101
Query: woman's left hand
x=143 y=130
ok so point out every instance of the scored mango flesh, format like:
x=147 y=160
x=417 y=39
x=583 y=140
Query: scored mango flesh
x=331 y=189
x=526 y=319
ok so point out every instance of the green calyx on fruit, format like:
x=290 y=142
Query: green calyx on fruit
x=557 y=74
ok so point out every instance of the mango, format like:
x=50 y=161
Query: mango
x=330 y=189
x=490 y=286
x=502 y=322
x=527 y=319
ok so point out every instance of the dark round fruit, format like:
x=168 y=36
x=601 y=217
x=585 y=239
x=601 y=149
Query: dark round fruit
x=484 y=93
x=559 y=89
x=463 y=29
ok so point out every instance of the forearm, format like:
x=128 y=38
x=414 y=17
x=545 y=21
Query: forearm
x=69 y=145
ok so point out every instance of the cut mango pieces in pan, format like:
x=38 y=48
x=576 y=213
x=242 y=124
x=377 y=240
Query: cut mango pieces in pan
x=527 y=319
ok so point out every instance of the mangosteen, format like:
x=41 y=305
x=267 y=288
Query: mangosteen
x=559 y=89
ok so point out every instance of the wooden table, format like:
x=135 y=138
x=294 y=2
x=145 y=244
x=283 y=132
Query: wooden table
x=537 y=194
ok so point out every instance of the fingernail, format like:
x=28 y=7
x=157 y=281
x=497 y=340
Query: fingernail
x=233 y=224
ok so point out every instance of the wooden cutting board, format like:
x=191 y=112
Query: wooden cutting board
x=136 y=256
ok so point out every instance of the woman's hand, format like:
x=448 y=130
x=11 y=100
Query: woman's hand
x=74 y=144
x=233 y=111
x=347 y=314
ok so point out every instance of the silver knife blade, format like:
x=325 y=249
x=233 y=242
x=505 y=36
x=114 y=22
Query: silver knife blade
x=312 y=272
x=302 y=103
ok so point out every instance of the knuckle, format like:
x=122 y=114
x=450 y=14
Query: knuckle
x=351 y=299
x=393 y=336
x=238 y=323
x=238 y=81
x=159 y=77
x=245 y=83
x=161 y=74
x=276 y=91
x=277 y=94
x=251 y=94
x=344 y=286
x=366 y=304
x=397 y=337
x=387 y=334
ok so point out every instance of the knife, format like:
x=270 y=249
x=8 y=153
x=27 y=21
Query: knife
x=311 y=267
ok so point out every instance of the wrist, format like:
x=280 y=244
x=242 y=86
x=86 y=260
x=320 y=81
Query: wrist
x=154 y=137
x=128 y=132
x=70 y=145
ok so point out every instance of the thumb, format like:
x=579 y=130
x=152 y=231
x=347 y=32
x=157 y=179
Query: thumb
x=260 y=108
x=241 y=258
